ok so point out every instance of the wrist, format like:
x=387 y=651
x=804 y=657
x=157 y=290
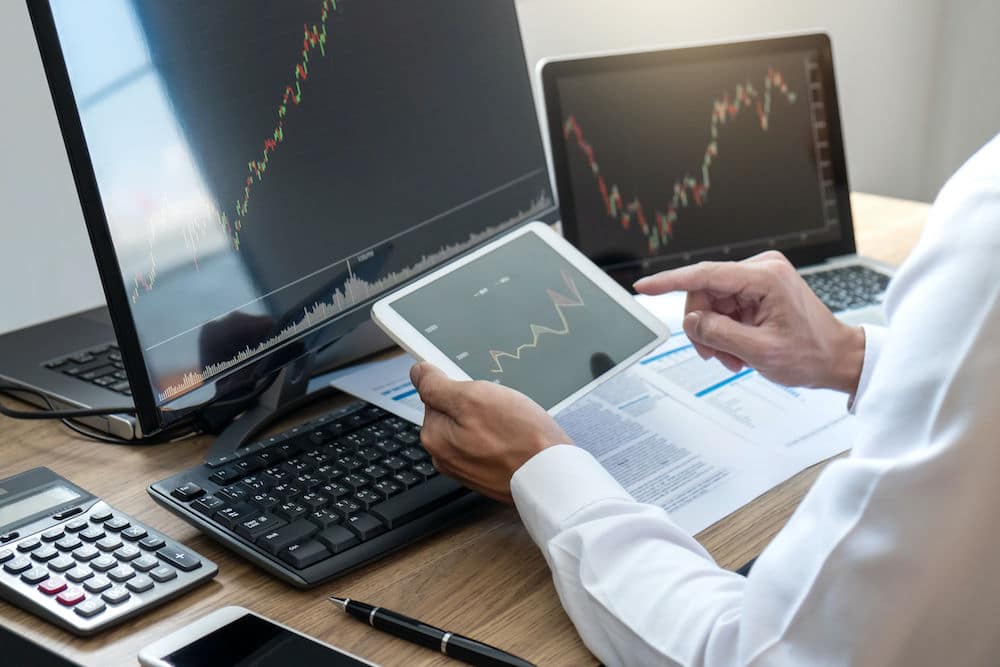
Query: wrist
x=847 y=359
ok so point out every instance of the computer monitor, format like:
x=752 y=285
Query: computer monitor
x=253 y=175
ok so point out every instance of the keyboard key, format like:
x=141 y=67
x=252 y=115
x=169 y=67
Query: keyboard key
x=365 y=526
x=151 y=543
x=109 y=543
x=258 y=525
x=346 y=507
x=388 y=446
x=314 y=501
x=117 y=524
x=375 y=472
x=71 y=542
x=139 y=584
x=76 y=525
x=97 y=583
x=301 y=556
x=368 y=497
x=79 y=573
x=349 y=463
x=414 y=454
x=90 y=608
x=29 y=545
x=46 y=553
x=127 y=553
x=52 y=586
x=355 y=481
x=163 y=573
x=417 y=501
x=53 y=534
x=71 y=596
x=395 y=464
x=285 y=491
x=334 y=491
x=337 y=539
x=264 y=501
x=86 y=553
x=388 y=488
x=103 y=563
x=281 y=538
x=233 y=495
x=100 y=516
x=208 y=505
x=407 y=438
x=182 y=560
x=425 y=469
x=407 y=479
x=121 y=573
x=92 y=534
x=291 y=511
x=61 y=564
x=223 y=477
x=250 y=465
x=134 y=533
x=35 y=575
x=116 y=595
x=370 y=454
x=188 y=492
x=324 y=518
x=229 y=516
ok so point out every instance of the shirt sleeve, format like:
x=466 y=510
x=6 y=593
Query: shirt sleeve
x=874 y=337
x=886 y=560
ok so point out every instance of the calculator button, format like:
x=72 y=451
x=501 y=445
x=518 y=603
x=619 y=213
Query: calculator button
x=91 y=607
x=92 y=534
x=145 y=563
x=151 y=543
x=71 y=596
x=68 y=543
x=29 y=545
x=117 y=524
x=61 y=564
x=100 y=516
x=121 y=573
x=133 y=533
x=7 y=537
x=76 y=525
x=53 y=534
x=35 y=575
x=180 y=559
x=79 y=573
x=97 y=583
x=85 y=553
x=139 y=584
x=52 y=586
x=18 y=565
x=109 y=543
x=116 y=595
x=6 y=555
x=103 y=563
x=127 y=553
x=163 y=573
x=44 y=554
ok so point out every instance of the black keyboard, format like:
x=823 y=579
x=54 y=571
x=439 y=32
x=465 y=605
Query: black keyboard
x=101 y=366
x=322 y=498
x=848 y=287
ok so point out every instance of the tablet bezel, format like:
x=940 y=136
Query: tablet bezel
x=418 y=345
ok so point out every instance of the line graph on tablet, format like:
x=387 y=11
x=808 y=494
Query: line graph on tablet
x=560 y=302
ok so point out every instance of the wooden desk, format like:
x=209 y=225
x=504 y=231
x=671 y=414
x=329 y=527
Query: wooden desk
x=485 y=579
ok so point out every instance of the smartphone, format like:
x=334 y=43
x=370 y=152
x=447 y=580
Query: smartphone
x=237 y=636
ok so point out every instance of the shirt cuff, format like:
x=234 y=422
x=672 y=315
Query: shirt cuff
x=555 y=484
x=874 y=337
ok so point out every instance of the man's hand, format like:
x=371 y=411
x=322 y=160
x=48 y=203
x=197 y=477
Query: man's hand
x=760 y=313
x=480 y=433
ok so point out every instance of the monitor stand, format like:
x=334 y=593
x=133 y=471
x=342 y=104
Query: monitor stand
x=298 y=384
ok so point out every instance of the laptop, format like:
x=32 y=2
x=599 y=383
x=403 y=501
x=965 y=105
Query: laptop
x=716 y=151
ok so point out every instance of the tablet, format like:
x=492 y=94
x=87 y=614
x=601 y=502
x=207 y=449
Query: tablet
x=527 y=311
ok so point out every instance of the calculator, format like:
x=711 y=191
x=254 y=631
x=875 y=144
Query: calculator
x=70 y=558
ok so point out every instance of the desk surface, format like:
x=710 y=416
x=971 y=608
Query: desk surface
x=484 y=579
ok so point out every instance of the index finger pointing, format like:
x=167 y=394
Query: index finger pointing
x=718 y=277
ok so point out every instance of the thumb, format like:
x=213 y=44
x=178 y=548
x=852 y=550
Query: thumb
x=723 y=333
x=436 y=389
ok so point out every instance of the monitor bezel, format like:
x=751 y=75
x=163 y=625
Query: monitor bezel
x=241 y=382
x=552 y=71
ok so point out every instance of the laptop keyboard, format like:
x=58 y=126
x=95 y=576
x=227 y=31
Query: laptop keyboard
x=101 y=366
x=848 y=287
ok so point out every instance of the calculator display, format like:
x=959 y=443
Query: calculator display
x=50 y=497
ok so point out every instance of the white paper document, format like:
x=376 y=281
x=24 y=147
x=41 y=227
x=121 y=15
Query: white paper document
x=674 y=430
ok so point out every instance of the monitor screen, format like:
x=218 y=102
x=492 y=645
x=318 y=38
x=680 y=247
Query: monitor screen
x=267 y=169
x=669 y=157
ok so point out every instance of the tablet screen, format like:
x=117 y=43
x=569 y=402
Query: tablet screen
x=523 y=316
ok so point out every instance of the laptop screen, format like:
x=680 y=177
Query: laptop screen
x=669 y=157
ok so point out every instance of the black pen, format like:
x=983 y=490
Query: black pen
x=454 y=646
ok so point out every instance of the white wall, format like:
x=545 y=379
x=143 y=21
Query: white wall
x=917 y=82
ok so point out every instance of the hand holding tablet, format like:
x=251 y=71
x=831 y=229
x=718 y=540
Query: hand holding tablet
x=527 y=311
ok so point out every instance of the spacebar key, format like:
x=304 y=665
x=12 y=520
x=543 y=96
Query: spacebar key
x=417 y=501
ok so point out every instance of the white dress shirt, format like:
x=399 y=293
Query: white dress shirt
x=891 y=558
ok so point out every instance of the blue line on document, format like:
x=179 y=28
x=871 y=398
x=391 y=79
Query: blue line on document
x=399 y=397
x=718 y=385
